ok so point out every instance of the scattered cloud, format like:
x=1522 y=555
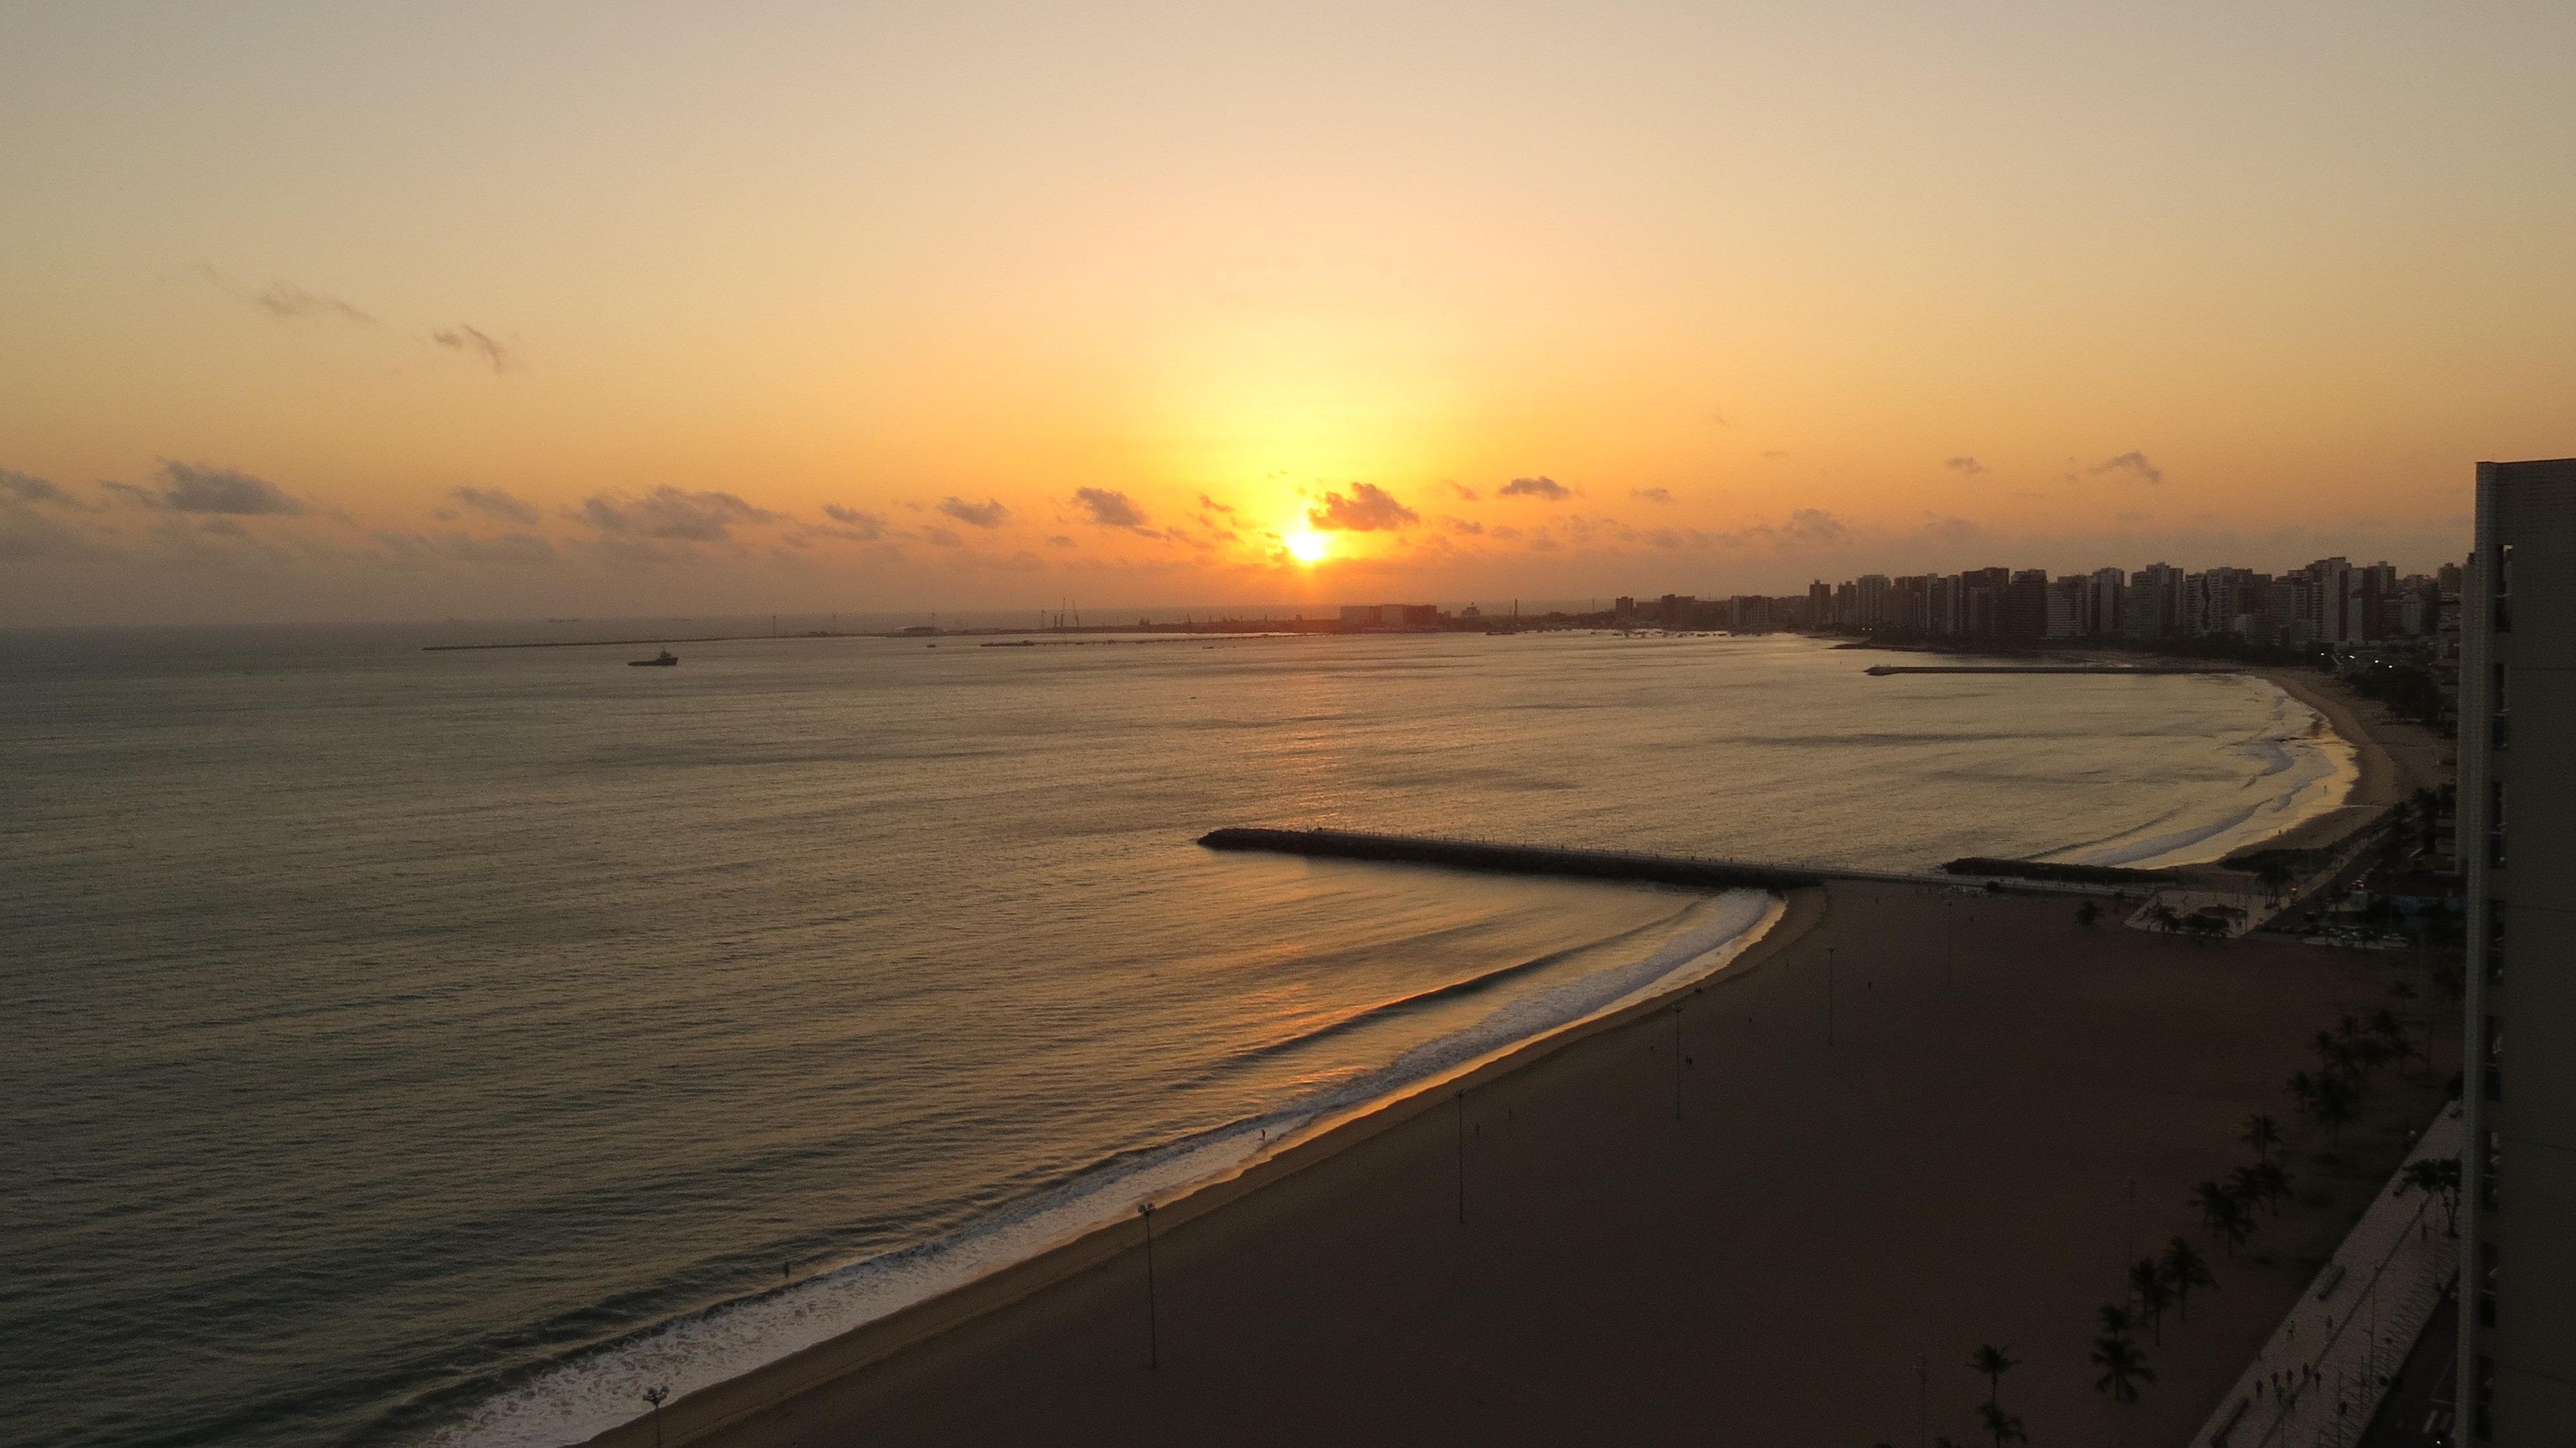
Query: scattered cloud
x=1465 y=494
x=1462 y=525
x=1368 y=509
x=28 y=488
x=198 y=488
x=1651 y=495
x=865 y=527
x=1059 y=540
x=1966 y=465
x=943 y=537
x=986 y=514
x=669 y=512
x=1212 y=505
x=1541 y=487
x=511 y=548
x=290 y=303
x=2133 y=463
x=480 y=345
x=493 y=503
x=1110 y=509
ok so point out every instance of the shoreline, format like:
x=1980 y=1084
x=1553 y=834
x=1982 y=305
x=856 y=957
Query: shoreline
x=1609 y=1242
x=712 y=1410
x=1333 y=1130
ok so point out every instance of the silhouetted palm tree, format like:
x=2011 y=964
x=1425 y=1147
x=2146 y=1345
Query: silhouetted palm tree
x=2271 y=1183
x=2115 y=1319
x=2185 y=1269
x=2087 y=913
x=2123 y=1368
x=1993 y=1362
x=2154 y=1293
x=2441 y=1177
x=2005 y=1427
x=2275 y=876
x=2262 y=1134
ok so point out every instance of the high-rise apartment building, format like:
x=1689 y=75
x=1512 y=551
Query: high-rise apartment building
x=2517 y=832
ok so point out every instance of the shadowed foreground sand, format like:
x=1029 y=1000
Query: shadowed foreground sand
x=1954 y=1169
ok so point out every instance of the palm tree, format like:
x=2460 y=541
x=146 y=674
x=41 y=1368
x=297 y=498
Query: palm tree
x=2275 y=875
x=2115 y=1320
x=2123 y=1368
x=2147 y=1282
x=2262 y=1134
x=2439 y=1176
x=2271 y=1183
x=2162 y=917
x=2087 y=913
x=2184 y=1270
x=1993 y=1362
x=2005 y=1426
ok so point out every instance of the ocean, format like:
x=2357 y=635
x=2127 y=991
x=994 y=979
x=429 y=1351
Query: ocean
x=405 y=1047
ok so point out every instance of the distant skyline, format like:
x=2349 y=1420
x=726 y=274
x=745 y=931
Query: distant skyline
x=313 y=313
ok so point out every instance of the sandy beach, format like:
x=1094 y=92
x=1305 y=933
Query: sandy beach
x=1759 y=1245
x=2396 y=757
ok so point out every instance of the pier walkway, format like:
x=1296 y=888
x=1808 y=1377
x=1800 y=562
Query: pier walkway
x=1695 y=870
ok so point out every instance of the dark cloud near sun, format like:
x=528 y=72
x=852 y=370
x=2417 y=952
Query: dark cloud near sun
x=199 y=488
x=1538 y=487
x=1213 y=506
x=671 y=513
x=493 y=503
x=1368 y=509
x=987 y=514
x=479 y=345
x=1110 y=509
x=2135 y=464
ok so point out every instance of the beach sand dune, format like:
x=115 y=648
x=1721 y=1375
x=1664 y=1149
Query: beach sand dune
x=1757 y=1245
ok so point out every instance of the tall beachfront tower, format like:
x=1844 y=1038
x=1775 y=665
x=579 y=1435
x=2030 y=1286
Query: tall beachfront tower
x=2517 y=831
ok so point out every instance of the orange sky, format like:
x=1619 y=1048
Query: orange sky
x=509 y=310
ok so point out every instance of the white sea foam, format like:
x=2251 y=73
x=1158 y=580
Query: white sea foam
x=598 y=1389
x=2304 y=769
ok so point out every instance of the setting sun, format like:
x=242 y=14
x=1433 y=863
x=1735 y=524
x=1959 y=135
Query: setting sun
x=1307 y=546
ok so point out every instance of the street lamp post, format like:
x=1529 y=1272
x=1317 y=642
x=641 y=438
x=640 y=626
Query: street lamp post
x=1153 y=1324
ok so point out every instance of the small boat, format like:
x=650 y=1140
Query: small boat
x=663 y=660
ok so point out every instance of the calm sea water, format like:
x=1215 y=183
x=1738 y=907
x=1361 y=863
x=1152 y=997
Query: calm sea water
x=403 y=1046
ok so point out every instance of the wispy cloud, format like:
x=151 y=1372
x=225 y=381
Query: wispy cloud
x=1368 y=509
x=2133 y=463
x=671 y=513
x=28 y=488
x=493 y=503
x=1966 y=465
x=1539 y=487
x=479 y=345
x=1110 y=509
x=862 y=527
x=1465 y=494
x=1651 y=495
x=199 y=488
x=987 y=514
x=1213 y=506
x=288 y=302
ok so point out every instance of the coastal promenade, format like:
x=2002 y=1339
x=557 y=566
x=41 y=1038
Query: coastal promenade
x=2321 y=1375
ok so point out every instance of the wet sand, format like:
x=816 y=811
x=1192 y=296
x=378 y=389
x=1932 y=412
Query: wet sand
x=1754 y=1246
x=2395 y=757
